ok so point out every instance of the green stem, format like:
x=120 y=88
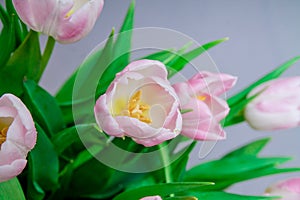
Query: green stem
x=46 y=56
x=166 y=161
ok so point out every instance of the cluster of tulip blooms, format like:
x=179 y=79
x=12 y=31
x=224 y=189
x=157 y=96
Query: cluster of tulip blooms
x=140 y=103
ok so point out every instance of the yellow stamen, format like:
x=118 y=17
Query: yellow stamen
x=5 y=122
x=69 y=13
x=3 y=134
x=201 y=98
x=137 y=109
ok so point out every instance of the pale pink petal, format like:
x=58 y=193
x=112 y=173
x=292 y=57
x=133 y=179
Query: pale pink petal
x=11 y=170
x=199 y=124
x=20 y=136
x=147 y=68
x=11 y=151
x=65 y=20
x=211 y=83
x=152 y=198
x=287 y=189
x=144 y=134
x=218 y=107
x=104 y=118
x=80 y=23
x=22 y=128
x=277 y=105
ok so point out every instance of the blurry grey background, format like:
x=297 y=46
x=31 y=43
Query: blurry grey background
x=263 y=34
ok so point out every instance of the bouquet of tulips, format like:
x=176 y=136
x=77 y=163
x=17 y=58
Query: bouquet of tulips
x=122 y=128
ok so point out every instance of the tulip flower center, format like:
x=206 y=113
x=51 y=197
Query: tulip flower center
x=137 y=109
x=201 y=97
x=5 y=122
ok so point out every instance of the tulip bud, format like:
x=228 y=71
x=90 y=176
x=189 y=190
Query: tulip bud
x=288 y=189
x=66 y=21
x=277 y=105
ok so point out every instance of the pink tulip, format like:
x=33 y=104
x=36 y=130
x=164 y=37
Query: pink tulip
x=140 y=103
x=200 y=95
x=152 y=198
x=288 y=189
x=17 y=136
x=277 y=105
x=66 y=21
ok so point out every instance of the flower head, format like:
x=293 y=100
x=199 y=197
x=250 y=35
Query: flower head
x=199 y=95
x=66 y=21
x=140 y=103
x=17 y=136
x=277 y=105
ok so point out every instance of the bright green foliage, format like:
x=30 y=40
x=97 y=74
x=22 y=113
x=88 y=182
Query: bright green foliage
x=43 y=167
x=23 y=64
x=163 y=189
x=240 y=165
x=43 y=107
x=11 y=188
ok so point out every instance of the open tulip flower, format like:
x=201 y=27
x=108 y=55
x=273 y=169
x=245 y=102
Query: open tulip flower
x=277 y=105
x=205 y=110
x=66 y=21
x=17 y=136
x=140 y=103
x=288 y=189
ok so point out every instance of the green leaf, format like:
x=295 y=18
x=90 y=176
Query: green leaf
x=81 y=84
x=64 y=94
x=239 y=165
x=272 y=75
x=231 y=165
x=121 y=50
x=7 y=36
x=178 y=64
x=69 y=136
x=252 y=149
x=43 y=166
x=236 y=113
x=163 y=190
x=43 y=107
x=175 y=61
x=227 y=196
x=20 y=28
x=24 y=63
x=160 y=55
x=11 y=189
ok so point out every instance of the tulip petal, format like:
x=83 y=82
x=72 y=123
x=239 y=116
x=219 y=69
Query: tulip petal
x=9 y=171
x=199 y=124
x=212 y=83
x=144 y=134
x=104 y=118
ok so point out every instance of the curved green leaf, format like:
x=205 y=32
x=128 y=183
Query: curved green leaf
x=272 y=75
x=163 y=190
x=11 y=189
x=43 y=107
x=24 y=63
x=43 y=167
